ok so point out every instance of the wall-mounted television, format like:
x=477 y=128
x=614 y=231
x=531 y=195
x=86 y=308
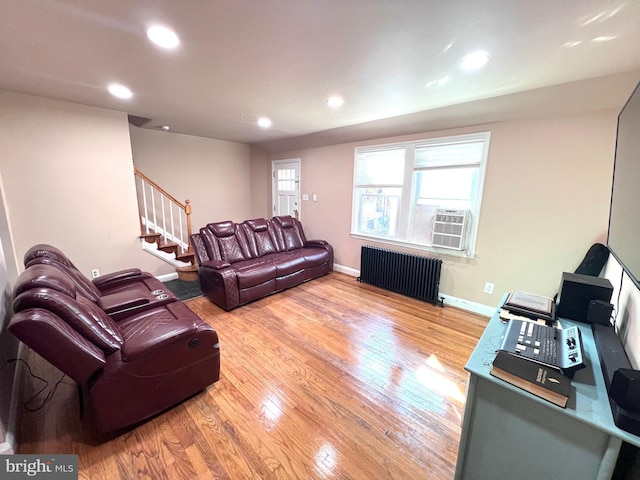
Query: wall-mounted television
x=624 y=217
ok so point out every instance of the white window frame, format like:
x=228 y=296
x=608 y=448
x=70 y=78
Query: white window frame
x=407 y=192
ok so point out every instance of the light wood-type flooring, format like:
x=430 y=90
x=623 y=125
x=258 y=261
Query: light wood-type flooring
x=331 y=379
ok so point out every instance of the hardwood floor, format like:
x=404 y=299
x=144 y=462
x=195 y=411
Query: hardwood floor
x=328 y=380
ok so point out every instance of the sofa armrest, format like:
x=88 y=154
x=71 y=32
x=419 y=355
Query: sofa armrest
x=119 y=301
x=119 y=278
x=161 y=337
x=315 y=243
x=158 y=339
x=216 y=264
x=220 y=285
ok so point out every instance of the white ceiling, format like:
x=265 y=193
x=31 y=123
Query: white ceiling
x=395 y=62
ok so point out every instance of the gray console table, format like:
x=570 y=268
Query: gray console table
x=510 y=433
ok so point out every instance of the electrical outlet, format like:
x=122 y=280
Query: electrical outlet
x=488 y=288
x=95 y=273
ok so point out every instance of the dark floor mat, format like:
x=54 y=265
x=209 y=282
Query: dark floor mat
x=184 y=290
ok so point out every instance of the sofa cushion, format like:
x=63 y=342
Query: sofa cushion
x=264 y=243
x=285 y=221
x=232 y=241
x=257 y=224
x=44 y=276
x=287 y=263
x=290 y=236
x=315 y=256
x=82 y=315
x=230 y=249
x=254 y=272
x=210 y=244
x=148 y=330
x=223 y=229
x=258 y=291
x=261 y=237
x=58 y=343
x=50 y=255
x=291 y=280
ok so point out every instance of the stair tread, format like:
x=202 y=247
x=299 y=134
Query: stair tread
x=190 y=268
x=150 y=237
x=168 y=244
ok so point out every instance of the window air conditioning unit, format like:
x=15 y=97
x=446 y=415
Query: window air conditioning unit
x=449 y=228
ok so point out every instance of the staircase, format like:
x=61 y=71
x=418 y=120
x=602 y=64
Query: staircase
x=165 y=227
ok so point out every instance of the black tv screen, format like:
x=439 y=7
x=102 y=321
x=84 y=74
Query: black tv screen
x=624 y=216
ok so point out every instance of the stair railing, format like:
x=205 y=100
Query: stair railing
x=162 y=214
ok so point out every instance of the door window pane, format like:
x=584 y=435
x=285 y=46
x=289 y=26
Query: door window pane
x=286 y=180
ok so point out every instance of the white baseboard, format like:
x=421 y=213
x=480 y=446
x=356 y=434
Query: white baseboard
x=167 y=277
x=352 y=272
x=474 y=307
x=469 y=306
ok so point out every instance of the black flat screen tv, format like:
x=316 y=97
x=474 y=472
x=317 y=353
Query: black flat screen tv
x=624 y=216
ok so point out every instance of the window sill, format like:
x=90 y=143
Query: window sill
x=414 y=246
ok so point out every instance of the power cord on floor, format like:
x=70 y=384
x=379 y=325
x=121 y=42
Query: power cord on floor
x=46 y=384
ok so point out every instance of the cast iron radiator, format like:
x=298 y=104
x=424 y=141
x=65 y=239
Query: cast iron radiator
x=411 y=275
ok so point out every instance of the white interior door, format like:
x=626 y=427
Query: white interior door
x=286 y=187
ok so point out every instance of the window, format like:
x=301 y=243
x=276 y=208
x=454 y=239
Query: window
x=401 y=189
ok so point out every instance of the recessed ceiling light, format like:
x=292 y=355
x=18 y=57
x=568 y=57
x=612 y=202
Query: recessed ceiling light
x=163 y=37
x=120 y=91
x=335 y=101
x=264 y=122
x=604 y=38
x=443 y=81
x=474 y=61
x=165 y=128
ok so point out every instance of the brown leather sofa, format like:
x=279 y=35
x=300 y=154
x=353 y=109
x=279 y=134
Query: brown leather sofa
x=241 y=262
x=133 y=367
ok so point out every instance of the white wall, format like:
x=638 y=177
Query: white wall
x=68 y=178
x=214 y=175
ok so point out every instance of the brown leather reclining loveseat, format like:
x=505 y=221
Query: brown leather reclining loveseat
x=241 y=262
x=136 y=363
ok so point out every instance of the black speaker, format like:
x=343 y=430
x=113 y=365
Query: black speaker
x=599 y=312
x=577 y=290
x=625 y=389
